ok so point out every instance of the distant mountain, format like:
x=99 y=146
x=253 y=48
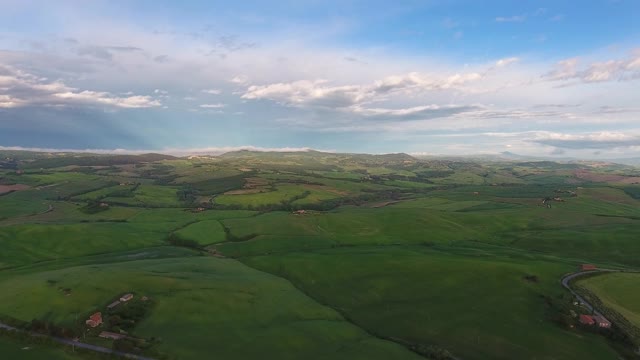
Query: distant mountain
x=52 y=160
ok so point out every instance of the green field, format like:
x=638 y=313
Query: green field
x=17 y=349
x=428 y=297
x=253 y=255
x=249 y=312
x=203 y=232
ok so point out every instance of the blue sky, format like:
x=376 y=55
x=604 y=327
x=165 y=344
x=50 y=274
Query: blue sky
x=546 y=78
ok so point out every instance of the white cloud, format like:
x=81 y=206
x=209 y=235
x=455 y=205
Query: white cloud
x=213 y=106
x=24 y=89
x=212 y=91
x=515 y=18
x=507 y=61
x=319 y=93
x=620 y=70
x=239 y=79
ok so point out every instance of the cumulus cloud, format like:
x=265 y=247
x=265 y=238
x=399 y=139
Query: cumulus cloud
x=19 y=88
x=620 y=70
x=600 y=140
x=212 y=91
x=320 y=93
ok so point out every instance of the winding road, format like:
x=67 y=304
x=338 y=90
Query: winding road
x=567 y=279
x=78 y=344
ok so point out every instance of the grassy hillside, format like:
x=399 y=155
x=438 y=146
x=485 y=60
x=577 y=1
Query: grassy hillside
x=328 y=255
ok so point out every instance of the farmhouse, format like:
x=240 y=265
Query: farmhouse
x=587 y=320
x=602 y=322
x=94 y=320
x=126 y=297
x=113 y=304
x=111 y=335
x=588 y=267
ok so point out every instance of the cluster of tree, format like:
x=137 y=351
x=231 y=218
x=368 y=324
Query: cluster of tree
x=128 y=314
x=175 y=240
x=9 y=164
x=135 y=346
x=433 y=352
x=94 y=207
x=325 y=205
x=187 y=194
x=558 y=310
x=49 y=328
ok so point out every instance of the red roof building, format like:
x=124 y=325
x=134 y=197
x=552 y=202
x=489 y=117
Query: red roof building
x=94 y=320
x=587 y=267
x=587 y=320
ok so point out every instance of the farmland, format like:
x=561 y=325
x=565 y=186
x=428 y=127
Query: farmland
x=316 y=255
x=619 y=291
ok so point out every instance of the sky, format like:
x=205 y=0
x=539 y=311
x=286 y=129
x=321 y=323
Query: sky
x=444 y=77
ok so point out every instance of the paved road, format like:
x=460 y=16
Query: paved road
x=567 y=278
x=81 y=344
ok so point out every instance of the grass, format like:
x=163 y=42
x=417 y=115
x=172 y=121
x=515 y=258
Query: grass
x=18 y=349
x=23 y=244
x=283 y=193
x=203 y=304
x=203 y=232
x=149 y=196
x=462 y=304
x=442 y=264
x=618 y=291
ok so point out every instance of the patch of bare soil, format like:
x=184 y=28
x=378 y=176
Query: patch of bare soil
x=9 y=188
x=383 y=204
x=609 y=178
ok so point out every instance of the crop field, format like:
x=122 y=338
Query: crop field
x=253 y=255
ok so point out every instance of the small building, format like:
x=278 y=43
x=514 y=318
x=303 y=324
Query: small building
x=126 y=297
x=111 y=335
x=587 y=320
x=94 y=320
x=602 y=322
x=588 y=267
x=113 y=304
